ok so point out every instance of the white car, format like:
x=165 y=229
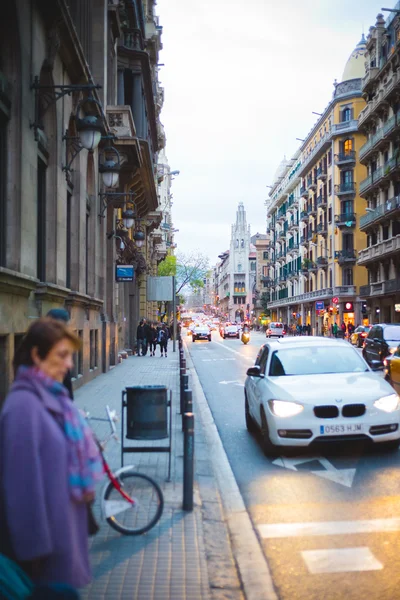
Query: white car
x=313 y=389
x=275 y=330
x=231 y=331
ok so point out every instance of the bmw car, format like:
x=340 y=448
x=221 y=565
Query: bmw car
x=313 y=389
x=231 y=331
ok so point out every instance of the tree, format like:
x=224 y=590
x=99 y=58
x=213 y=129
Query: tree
x=265 y=302
x=191 y=270
x=167 y=266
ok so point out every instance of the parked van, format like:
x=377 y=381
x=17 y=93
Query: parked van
x=275 y=330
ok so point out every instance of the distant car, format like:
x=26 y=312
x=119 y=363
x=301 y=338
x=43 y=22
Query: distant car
x=201 y=332
x=231 y=331
x=359 y=334
x=275 y=330
x=318 y=390
x=382 y=340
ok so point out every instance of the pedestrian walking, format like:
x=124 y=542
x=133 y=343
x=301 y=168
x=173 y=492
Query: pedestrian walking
x=309 y=329
x=343 y=328
x=60 y=314
x=152 y=339
x=141 y=340
x=163 y=335
x=335 y=330
x=49 y=463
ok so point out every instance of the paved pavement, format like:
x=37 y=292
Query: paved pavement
x=187 y=555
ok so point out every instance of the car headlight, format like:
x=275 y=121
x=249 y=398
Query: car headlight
x=392 y=350
x=283 y=408
x=388 y=403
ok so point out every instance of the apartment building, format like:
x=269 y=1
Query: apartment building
x=380 y=122
x=312 y=215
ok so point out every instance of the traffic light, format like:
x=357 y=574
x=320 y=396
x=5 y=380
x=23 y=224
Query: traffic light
x=331 y=310
x=364 y=308
x=348 y=307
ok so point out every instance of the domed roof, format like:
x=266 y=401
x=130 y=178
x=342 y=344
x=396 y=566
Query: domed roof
x=281 y=170
x=355 y=67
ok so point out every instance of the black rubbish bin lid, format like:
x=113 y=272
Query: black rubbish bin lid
x=147 y=414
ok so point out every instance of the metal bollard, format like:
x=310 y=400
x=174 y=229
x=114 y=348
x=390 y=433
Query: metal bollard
x=188 y=461
x=184 y=386
x=183 y=365
x=187 y=404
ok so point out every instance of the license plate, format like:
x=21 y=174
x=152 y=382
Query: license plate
x=348 y=428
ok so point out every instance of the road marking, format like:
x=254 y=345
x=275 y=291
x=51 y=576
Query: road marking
x=251 y=360
x=341 y=560
x=216 y=359
x=291 y=530
x=343 y=477
x=234 y=381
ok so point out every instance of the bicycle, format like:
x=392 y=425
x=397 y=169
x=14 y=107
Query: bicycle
x=131 y=503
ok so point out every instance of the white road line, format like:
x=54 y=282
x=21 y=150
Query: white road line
x=288 y=530
x=248 y=359
x=341 y=560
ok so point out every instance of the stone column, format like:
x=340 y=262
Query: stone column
x=121 y=87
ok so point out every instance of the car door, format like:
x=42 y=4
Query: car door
x=395 y=370
x=379 y=344
x=370 y=344
x=259 y=386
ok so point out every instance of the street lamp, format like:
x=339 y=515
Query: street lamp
x=128 y=218
x=110 y=167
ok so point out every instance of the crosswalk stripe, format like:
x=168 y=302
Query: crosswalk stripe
x=287 y=530
x=341 y=560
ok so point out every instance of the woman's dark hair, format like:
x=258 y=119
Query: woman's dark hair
x=43 y=334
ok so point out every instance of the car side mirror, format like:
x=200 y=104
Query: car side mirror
x=255 y=371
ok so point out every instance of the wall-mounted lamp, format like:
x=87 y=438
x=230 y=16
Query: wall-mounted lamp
x=139 y=237
x=112 y=234
x=113 y=198
x=89 y=128
x=128 y=218
x=46 y=94
x=110 y=167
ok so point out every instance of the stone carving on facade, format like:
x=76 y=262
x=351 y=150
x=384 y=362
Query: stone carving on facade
x=353 y=85
x=121 y=122
x=52 y=46
x=115 y=120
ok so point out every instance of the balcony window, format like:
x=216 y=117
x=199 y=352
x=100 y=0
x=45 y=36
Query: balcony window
x=347 y=146
x=346 y=115
x=347 y=276
x=347 y=242
x=265 y=255
x=347 y=176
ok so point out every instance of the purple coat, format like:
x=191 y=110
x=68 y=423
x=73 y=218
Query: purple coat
x=38 y=517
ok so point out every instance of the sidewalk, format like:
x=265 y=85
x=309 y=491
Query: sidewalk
x=187 y=555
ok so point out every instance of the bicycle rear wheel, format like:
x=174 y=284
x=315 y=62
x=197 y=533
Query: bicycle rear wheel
x=137 y=518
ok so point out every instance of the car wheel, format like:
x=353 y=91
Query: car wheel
x=359 y=344
x=194 y=339
x=268 y=447
x=237 y=337
x=391 y=446
x=209 y=338
x=251 y=426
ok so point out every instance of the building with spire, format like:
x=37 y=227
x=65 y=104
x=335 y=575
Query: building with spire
x=312 y=215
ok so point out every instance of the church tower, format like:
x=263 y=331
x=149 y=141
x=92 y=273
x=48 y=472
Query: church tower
x=240 y=293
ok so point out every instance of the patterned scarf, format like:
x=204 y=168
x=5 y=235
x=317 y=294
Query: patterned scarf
x=85 y=466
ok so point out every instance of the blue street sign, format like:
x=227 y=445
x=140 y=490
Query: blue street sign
x=319 y=306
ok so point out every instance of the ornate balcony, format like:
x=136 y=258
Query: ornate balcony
x=322 y=201
x=348 y=188
x=312 y=210
x=322 y=228
x=379 y=251
x=304 y=216
x=321 y=173
x=304 y=193
x=345 y=220
x=373 y=216
x=345 y=159
x=371 y=144
x=369 y=77
x=322 y=261
x=303 y=240
x=346 y=256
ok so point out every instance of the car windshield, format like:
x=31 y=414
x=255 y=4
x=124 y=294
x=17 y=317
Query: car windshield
x=276 y=326
x=314 y=360
x=392 y=333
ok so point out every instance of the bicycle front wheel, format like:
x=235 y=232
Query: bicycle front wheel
x=147 y=507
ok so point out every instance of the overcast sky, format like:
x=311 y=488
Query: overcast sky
x=241 y=80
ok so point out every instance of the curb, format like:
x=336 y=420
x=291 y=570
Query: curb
x=252 y=564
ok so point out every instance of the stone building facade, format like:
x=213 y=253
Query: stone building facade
x=61 y=229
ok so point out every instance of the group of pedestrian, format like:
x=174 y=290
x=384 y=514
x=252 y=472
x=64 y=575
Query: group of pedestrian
x=151 y=334
x=49 y=467
x=342 y=331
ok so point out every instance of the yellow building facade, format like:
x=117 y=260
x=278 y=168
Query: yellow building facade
x=313 y=208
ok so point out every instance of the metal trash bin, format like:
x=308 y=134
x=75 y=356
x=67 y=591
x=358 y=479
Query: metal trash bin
x=146 y=408
x=147 y=413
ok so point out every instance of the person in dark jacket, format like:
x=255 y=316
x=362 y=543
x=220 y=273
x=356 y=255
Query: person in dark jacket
x=152 y=338
x=163 y=336
x=60 y=314
x=141 y=341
